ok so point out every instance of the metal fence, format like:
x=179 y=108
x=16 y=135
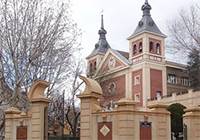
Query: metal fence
x=63 y=138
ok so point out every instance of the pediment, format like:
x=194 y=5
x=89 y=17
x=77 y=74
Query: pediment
x=111 y=62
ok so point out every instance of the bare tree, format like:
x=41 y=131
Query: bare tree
x=2 y=124
x=72 y=107
x=184 y=30
x=64 y=107
x=56 y=109
x=36 y=43
x=37 y=39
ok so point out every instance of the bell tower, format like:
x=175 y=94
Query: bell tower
x=147 y=54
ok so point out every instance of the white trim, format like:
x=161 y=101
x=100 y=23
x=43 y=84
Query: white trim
x=175 y=65
x=105 y=58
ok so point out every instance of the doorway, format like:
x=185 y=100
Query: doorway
x=177 y=111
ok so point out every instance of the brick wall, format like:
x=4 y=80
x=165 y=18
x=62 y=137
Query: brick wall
x=118 y=91
x=105 y=66
x=156 y=82
x=137 y=87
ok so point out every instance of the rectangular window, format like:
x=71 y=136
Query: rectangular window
x=185 y=81
x=172 y=79
x=137 y=97
x=137 y=80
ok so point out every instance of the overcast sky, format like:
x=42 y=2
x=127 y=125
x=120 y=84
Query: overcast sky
x=120 y=18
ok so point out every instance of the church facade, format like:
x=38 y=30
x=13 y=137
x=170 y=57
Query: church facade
x=142 y=73
x=132 y=95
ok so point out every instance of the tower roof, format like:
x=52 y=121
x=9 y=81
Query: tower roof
x=102 y=45
x=146 y=24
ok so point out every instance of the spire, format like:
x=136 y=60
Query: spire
x=102 y=45
x=102 y=31
x=102 y=25
x=146 y=24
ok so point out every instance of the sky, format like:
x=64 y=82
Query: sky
x=120 y=19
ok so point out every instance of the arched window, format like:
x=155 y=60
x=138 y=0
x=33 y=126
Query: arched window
x=140 y=47
x=95 y=65
x=151 y=47
x=158 y=51
x=112 y=88
x=91 y=67
x=134 y=49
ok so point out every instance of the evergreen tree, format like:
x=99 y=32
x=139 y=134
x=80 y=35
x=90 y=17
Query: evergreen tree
x=194 y=68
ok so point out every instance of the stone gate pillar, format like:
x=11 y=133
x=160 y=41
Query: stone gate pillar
x=31 y=125
x=161 y=122
x=39 y=120
x=89 y=104
x=10 y=123
x=191 y=122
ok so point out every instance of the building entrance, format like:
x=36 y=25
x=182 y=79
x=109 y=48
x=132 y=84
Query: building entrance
x=177 y=111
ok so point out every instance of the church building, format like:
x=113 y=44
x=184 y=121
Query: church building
x=142 y=73
x=137 y=94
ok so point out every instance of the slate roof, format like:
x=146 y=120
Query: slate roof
x=125 y=54
x=123 y=58
x=146 y=24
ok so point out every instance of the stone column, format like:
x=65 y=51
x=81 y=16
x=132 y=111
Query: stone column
x=89 y=105
x=191 y=120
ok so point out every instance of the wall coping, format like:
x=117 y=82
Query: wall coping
x=12 y=110
x=125 y=101
x=158 y=105
x=118 y=112
x=193 y=109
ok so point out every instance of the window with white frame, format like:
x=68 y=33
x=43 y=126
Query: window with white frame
x=137 y=80
x=112 y=88
x=137 y=97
